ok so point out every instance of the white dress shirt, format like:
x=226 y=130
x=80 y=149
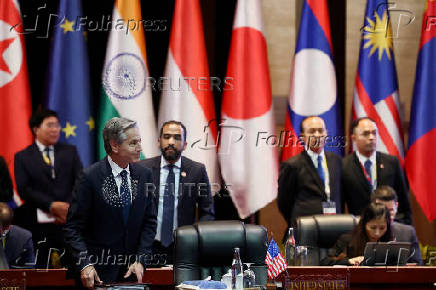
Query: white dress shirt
x=314 y=157
x=116 y=172
x=363 y=159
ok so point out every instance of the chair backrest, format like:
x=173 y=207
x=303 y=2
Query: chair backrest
x=206 y=249
x=322 y=231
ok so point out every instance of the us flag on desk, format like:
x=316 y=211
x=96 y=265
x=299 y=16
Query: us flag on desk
x=274 y=260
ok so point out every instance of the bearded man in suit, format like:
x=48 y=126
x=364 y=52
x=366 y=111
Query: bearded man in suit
x=181 y=188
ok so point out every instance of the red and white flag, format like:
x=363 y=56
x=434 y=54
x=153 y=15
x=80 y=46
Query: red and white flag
x=248 y=157
x=186 y=91
x=15 y=102
x=274 y=260
x=376 y=87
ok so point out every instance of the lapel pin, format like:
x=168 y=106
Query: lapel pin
x=183 y=174
x=382 y=166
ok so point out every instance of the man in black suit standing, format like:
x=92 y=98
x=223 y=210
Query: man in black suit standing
x=402 y=233
x=309 y=183
x=45 y=173
x=181 y=187
x=111 y=223
x=366 y=169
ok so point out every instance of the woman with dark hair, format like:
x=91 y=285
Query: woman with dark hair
x=374 y=226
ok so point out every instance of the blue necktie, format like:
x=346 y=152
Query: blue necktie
x=320 y=168
x=125 y=195
x=168 y=209
x=367 y=166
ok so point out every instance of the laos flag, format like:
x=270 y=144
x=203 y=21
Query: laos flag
x=313 y=81
x=421 y=157
x=376 y=87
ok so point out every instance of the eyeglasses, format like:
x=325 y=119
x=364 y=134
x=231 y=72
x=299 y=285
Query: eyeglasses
x=53 y=125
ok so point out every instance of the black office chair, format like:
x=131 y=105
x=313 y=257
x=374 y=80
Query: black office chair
x=206 y=249
x=322 y=231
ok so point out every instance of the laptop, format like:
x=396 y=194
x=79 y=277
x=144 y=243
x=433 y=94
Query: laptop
x=386 y=254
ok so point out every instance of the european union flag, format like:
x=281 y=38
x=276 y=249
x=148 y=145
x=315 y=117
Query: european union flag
x=68 y=83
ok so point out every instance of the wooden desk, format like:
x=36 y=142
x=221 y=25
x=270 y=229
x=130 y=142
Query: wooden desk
x=375 y=277
x=54 y=279
x=37 y=279
x=162 y=278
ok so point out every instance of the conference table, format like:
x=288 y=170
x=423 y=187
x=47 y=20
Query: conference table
x=293 y=278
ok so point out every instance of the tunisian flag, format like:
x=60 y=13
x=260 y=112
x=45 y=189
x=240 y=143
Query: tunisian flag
x=186 y=89
x=15 y=106
x=248 y=155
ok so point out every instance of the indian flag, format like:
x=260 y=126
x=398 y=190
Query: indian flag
x=126 y=90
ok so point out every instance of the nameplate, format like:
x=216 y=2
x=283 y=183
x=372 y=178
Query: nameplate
x=317 y=282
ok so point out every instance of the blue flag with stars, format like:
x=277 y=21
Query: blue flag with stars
x=68 y=85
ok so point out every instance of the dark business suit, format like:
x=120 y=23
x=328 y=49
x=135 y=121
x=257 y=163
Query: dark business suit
x=357 y=190
x=194 y=193
x=19 y=248
x=301 y=190
x=35 y=184
x=192 y=174
x=95 y=230
x=5 y=182
x=38 y=189
x=406 y=233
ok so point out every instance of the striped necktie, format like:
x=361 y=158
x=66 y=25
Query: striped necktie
x=48 y=161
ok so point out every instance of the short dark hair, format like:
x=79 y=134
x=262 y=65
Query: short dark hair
x=115 y=129
x=356 y=122
x=6 y=214
x=308 y=117
x=384 y=193
x=185 y=133
x=38 y=117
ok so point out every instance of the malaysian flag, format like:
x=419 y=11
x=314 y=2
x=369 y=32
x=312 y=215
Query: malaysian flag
x=274 y=260
x=376 y=87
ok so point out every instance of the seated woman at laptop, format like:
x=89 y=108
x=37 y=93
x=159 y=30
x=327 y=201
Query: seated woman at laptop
x=374 y=226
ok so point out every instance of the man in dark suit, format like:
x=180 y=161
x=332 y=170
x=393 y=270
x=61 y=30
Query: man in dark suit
x=5 y=182
x=309 y=183
x=45 y=173
x=15 y=241
x=366 y=169
x=402 y=233
x=111 y=223
x=181 y=187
